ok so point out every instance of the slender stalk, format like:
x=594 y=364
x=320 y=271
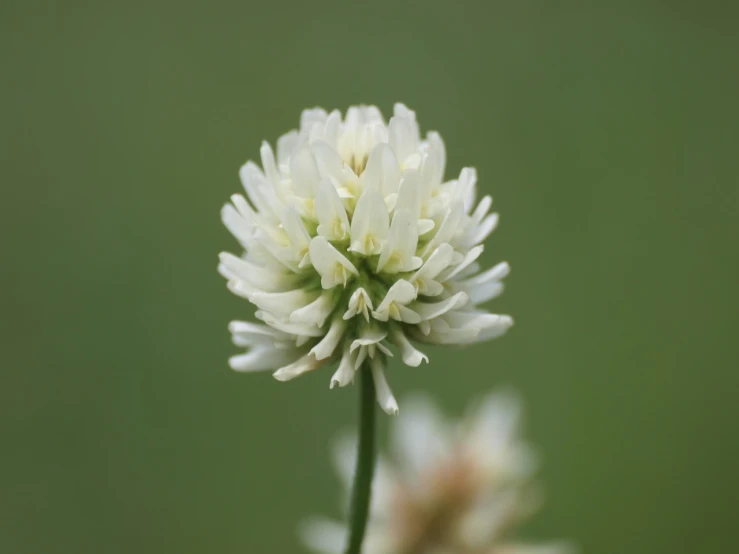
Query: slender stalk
x=362 y=488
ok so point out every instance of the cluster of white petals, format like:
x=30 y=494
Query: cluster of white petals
x=354 y=246
x=450 y=487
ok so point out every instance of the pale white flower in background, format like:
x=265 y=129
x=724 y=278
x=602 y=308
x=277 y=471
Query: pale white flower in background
x=354 y=245
x=450 y=487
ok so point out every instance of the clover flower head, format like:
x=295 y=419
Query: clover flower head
x=355 y=247
x=448 y=487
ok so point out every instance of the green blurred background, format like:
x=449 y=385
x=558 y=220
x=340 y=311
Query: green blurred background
x=607 y=132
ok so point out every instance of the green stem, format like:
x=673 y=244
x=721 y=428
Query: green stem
x=362 y=488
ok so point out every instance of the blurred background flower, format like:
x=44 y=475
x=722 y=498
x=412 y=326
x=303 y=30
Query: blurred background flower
x=607 y=133
x=450 y=486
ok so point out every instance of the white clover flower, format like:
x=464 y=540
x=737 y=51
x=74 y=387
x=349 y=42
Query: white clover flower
x=449 y=488
x=354 y=243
